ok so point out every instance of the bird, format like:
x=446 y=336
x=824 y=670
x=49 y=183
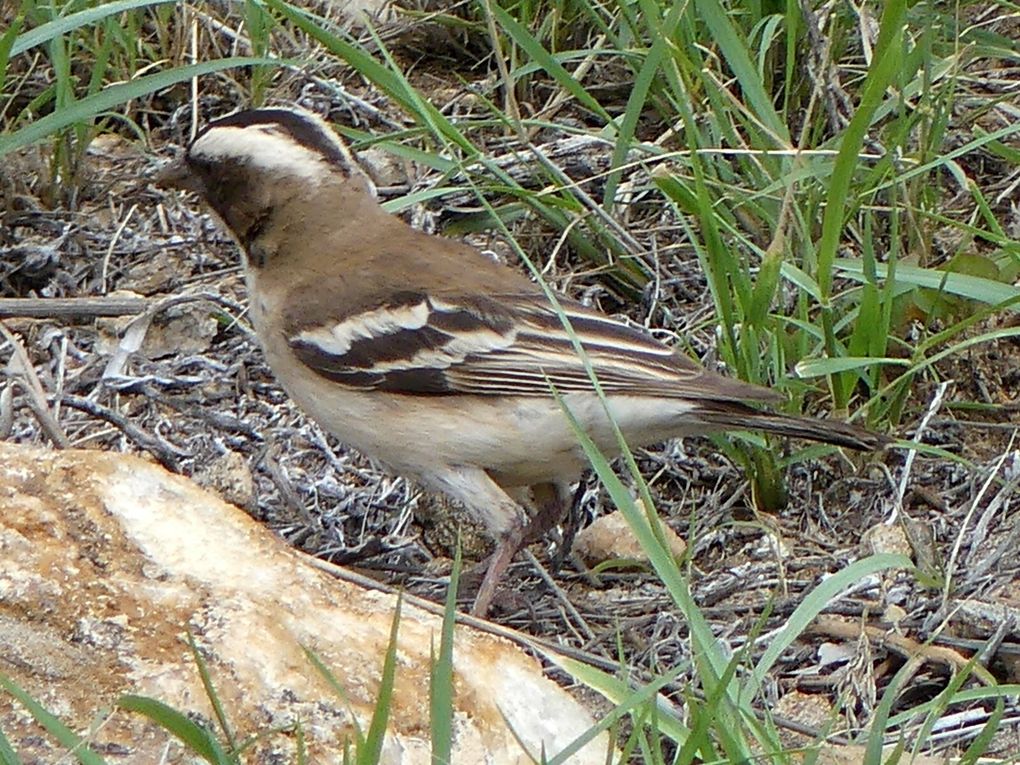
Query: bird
x=430 y=357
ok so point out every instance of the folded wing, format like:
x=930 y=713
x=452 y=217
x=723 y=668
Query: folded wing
x=506 y=345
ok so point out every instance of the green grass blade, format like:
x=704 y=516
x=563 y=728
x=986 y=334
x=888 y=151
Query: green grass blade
x=637 y=101
x=388 y=80
x=982 y=742
x=624 y=699
x=441 y=676
x=995 y=293
x=884 y=66
x=527 y=42
x=712 y=660
x=983 y=140
x=980 y=695
x=106 y=99
x=67 y=738
x=48 y=31
x=735 y=50
x=801 y=279
x=339 y=690
x=6 y=45
x=717 y=717
x=210 y=692
x=828 y=366
x=811 y=606
x=764 y=289
x=197 y=738
x=879 y=723
x=946 y=698
x=370 y=753
x=7 y=754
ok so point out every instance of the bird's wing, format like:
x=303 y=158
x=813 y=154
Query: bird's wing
x=502 y=345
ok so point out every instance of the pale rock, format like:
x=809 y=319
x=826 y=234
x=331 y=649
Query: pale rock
x=152 y=276
x=610 y=537
x=229 y=476
x=811 y=710
x=107 y=562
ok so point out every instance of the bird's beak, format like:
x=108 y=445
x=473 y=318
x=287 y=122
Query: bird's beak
x=177 y=175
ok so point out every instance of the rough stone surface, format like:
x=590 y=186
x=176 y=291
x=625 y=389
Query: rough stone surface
x=107 y=561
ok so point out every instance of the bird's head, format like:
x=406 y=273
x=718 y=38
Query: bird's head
x=250 y=165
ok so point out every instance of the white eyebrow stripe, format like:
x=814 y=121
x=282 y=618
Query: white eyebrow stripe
x=337 y=339
x=262 y=146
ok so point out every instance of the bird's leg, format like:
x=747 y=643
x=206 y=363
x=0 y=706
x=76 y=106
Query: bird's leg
x=548 y=502
x=503 y=516
x=506 y=549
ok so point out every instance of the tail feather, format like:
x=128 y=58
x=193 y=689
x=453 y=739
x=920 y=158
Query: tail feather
x=810 y=428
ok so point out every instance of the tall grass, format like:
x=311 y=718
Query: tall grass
x=802 y=158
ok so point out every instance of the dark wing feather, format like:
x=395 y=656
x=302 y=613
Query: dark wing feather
x=507 y=345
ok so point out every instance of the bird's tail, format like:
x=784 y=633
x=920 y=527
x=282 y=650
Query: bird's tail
x=826 y=431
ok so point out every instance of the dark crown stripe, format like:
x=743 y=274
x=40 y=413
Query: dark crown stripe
x=301 y=128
